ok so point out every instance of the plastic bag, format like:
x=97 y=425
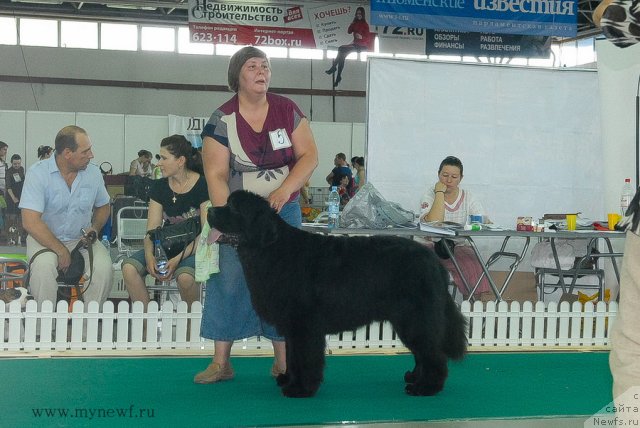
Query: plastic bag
x=370 y=210
x=542 y=255
x=207 y=254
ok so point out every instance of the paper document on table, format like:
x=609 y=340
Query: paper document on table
x=440 y=227
x=492 y=226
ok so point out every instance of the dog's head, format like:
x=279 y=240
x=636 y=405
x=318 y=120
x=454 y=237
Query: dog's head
x=247 y=215
x=19 y=293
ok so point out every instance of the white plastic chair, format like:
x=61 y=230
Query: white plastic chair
x=132 y=228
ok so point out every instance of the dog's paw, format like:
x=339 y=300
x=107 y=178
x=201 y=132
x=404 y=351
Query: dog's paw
x=282 y=379
x=409 y=377
x=298 y=391
x=421 y=389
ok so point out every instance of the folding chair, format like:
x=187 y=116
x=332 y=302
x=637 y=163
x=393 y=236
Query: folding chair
x=550 y=280
x=132 y=228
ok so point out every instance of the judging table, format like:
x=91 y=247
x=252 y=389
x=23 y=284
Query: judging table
x=524 y=237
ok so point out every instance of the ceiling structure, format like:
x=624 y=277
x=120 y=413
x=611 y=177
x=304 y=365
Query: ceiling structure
x=175 y=11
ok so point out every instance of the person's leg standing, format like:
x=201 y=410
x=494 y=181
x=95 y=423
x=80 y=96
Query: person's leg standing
x=624 y=359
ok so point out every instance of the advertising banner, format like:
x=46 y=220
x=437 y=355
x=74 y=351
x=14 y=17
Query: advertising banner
x=401 y=39
x=190 y=127
x=443 y=42
x=527 y=17
x=294 y=25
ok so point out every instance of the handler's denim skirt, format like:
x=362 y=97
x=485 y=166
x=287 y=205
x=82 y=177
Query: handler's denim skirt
x=228 y=314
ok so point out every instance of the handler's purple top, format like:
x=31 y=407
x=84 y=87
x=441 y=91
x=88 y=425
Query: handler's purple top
x=260 y=161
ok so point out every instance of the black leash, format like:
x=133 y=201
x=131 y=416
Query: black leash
x=81 y=244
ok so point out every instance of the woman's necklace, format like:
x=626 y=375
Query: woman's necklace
x=182 y=186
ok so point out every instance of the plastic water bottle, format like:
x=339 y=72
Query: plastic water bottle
x=105 y=242
x=334 y=208
x=626 y=196
x=161 y=258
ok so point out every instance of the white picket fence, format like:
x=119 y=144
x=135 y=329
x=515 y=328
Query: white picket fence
x=174 y=329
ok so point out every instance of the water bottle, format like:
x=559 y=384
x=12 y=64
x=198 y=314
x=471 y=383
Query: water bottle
x=106 y=243
x=161 y=258
x=334 y=208
x=626 y=196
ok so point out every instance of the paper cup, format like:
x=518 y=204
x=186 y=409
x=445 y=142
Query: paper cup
x=475 y=219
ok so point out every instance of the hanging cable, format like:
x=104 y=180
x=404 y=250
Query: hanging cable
x=24 y=61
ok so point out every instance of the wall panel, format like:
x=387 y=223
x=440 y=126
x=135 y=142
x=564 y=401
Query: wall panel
x=12 y=132
x=107 y=136
x=42 y=128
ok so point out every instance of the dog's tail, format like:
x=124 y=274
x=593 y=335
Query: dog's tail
x=455 y=341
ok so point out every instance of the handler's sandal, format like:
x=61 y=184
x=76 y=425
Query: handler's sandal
x=214 y=373
x=276 y=371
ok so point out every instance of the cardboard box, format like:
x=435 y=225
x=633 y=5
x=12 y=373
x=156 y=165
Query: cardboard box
x=522 y=286
x=524 y=224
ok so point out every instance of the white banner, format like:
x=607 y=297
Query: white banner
x=190 y=127
x=401 y=39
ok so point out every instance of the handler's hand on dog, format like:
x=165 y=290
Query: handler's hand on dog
x=278 y=198
x=89 y=237
x=64 y=259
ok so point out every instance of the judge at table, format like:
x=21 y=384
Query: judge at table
x=446 y=201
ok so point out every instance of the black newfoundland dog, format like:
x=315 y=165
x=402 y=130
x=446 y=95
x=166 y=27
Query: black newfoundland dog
x=309 y=285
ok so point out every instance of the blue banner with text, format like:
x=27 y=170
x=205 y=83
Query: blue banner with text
x=527 y=17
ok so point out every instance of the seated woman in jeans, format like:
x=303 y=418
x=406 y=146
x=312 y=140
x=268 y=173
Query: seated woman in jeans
x=446 y=201
x=173 y=198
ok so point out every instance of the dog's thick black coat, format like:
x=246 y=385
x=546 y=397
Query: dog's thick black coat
x=309 y=285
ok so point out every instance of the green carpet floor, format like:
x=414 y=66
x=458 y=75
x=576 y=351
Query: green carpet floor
x=159 y=392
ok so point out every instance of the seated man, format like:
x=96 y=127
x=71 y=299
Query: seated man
x=61 y=196
x=341 y=167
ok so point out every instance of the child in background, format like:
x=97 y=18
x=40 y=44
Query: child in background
x=344 y=189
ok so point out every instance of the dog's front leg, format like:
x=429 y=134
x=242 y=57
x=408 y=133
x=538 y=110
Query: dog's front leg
x=305 y=365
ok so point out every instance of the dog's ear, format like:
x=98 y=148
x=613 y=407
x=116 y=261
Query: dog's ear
x=261 y=225
x=268 y=230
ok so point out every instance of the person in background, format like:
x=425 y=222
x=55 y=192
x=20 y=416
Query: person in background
x=62 y=196
x=446 y=201
x=361 y=41
x=44 y=152
x=341 y=167
x=344 y=189
x=262 y=142
x=619 y=20
x=157 y=172
x=15 y=181
x=4 y=147
x=173 y=198
x=142 y=165
x=304 y=194
x=359 y=178
x=624 y=359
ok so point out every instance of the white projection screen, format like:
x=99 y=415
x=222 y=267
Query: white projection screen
x=529 y=139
